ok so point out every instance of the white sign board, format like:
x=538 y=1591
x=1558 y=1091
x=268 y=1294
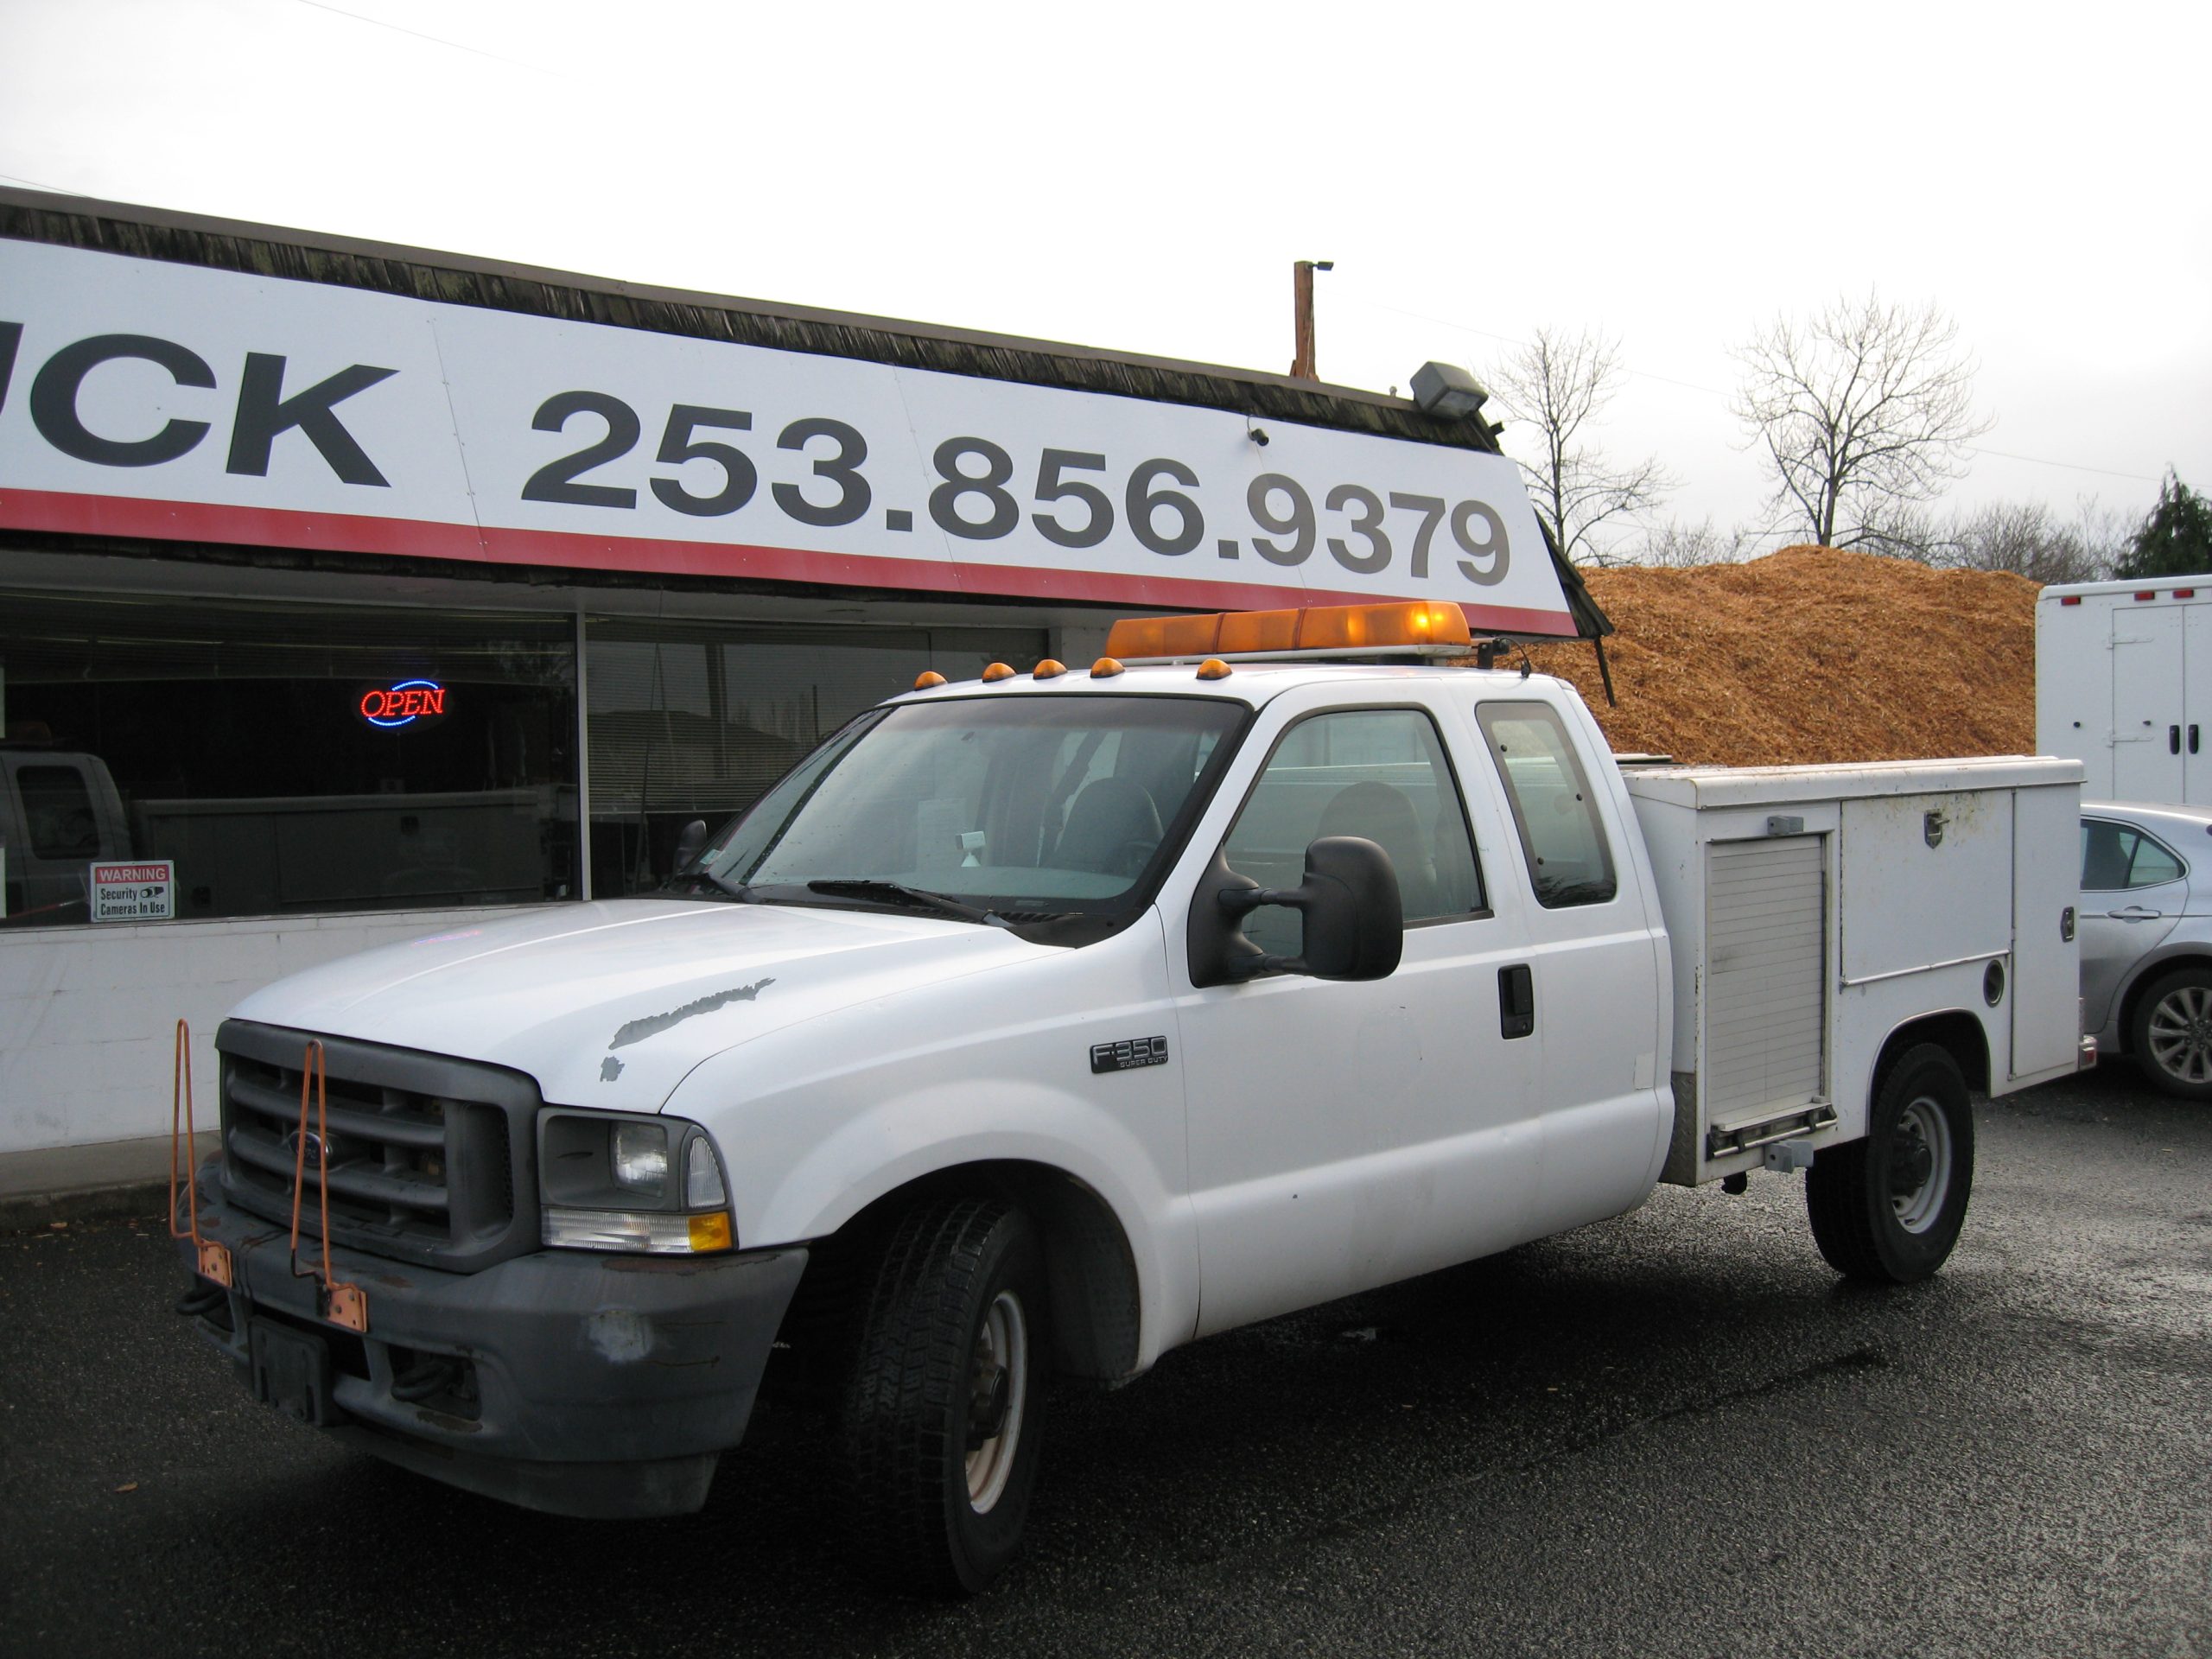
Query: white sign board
x=146 y=892
x=149 y=399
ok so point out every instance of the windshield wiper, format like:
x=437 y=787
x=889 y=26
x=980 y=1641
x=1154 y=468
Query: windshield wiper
x=695 y=877
x=868 y=887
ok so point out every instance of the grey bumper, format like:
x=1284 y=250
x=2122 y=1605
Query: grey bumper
x=577 y=1381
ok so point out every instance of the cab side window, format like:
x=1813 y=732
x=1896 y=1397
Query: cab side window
x=1375 y=773
x=1569 y=862
x=2115 y=857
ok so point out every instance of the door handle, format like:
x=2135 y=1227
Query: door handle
x=2135 y=913
x=2173 y=740
x=1517 y=1001
x=2192 y=739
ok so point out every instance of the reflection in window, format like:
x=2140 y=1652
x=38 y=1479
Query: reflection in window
x=286 y=758
x=1378 y=773
x=1569 y=862
x=698 y=722
x=2115 y=856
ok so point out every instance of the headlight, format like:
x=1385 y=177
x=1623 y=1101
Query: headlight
x=641 y=1157
x=604 y=1184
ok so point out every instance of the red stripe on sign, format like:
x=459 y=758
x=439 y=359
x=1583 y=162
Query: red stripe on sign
x=107 y=515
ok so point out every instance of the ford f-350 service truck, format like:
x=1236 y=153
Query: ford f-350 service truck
x=1043 y=1023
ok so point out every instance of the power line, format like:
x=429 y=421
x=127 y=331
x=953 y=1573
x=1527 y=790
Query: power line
x=38 y=184
x=435 y=40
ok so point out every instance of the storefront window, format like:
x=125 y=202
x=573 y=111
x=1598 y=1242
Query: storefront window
x=285 y=759
x=697 y=722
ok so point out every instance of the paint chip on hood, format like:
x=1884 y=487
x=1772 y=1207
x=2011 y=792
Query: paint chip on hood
x=652 y=1025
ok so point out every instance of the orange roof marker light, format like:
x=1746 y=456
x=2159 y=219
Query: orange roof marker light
x=1214 y=669
x=996 y=672
x=1418 y=628
x=1051 y=669
x=927 y=678
x=1105 y=668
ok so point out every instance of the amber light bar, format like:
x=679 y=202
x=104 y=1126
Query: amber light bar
x=1422 y=625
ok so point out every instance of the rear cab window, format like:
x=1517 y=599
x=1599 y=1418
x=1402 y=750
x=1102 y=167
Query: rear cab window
x=1562 y=838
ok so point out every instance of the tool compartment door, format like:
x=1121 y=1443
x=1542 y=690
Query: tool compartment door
x=1926 y=880
x=1765 y=980
x=2046 y=965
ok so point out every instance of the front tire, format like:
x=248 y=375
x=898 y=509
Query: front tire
x=943 y=1407
x=2171 y=1033
x=1887 y=1209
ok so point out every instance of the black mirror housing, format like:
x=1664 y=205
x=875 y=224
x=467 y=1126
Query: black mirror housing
x=1354 y=918
x=688 y=845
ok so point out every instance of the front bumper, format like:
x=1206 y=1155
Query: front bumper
x=574 y=1382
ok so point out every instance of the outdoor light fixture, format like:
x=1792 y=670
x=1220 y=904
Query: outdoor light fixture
x=1258 y=435
x=1448 y=393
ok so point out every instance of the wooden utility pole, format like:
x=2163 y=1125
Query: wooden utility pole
x=1301 y=300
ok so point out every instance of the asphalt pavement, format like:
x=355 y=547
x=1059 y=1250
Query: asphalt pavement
x=1672 y=1433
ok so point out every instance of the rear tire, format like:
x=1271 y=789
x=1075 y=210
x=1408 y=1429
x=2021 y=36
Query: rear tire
x=942 y=1408
x=1887 y=1209
x=2171 y=1036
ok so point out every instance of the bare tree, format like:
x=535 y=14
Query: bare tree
x=1864 y=412
x=2024 y=537
x=1557 y=384
x=1679 y=546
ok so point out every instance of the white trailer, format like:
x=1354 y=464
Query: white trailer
x=2124 y=685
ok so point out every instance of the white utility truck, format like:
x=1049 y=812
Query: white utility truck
x=1043 y=1023
x=2124 y=685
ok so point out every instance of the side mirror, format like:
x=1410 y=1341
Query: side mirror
x=1354 y=920
x=688 y=845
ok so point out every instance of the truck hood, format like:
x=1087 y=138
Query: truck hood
x=611 y=1004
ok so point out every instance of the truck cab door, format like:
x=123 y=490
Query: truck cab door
x=1346 y=1134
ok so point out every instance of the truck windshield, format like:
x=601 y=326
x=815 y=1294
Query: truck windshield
x=1040 y=810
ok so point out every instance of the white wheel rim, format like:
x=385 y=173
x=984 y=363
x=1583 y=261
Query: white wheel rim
x=1001 y=1343
x=1920 y=1165
x=2181 y=1034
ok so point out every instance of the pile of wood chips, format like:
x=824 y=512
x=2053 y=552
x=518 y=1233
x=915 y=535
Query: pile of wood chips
x=1810 y=655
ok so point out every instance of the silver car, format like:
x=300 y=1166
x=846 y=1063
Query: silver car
x=2146 y=939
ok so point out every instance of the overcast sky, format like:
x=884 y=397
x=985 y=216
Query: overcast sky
x=1140 y=176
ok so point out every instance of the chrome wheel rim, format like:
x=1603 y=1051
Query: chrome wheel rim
x=998 y=1397
x=1920 y=1165
x=2181 y=1034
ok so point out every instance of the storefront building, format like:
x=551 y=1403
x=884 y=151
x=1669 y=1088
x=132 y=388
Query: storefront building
x=350 y=595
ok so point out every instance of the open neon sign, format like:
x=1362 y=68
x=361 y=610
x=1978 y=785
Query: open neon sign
x=403 y=704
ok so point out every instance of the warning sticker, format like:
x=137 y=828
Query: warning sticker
x=134 y=893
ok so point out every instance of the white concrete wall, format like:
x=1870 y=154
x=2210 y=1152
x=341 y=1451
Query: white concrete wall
x=88 y=1015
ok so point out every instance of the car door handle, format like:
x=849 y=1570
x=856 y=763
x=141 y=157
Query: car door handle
x=2173 y=740
x=2135 y=913
x=1517 y=1001
x=2192 y=739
